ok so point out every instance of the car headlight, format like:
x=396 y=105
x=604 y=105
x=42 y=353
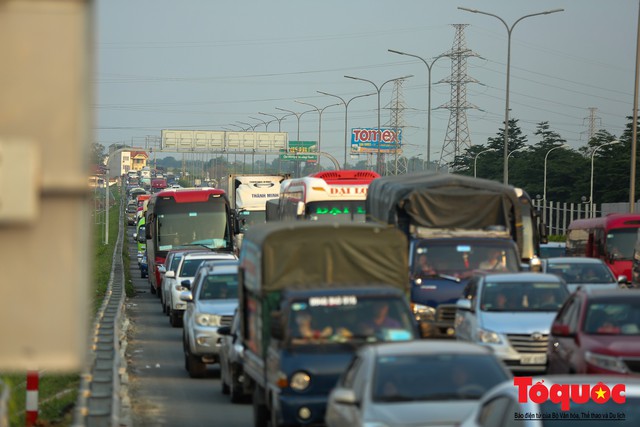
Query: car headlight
x=610 y=363
x=488 y=337
x=300 y=381
x=423 y=312
x=208 y=319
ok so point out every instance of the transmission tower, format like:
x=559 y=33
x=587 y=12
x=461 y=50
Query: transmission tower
x=396 y=122
x=457 y=138
x=592 y=120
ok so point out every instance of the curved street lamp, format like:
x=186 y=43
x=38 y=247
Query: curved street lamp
x=279 y=120
x=593 y=155
x=429 y=66
x=320 y=111
x=378 y=89
x=544 y=185
x=509 y=155
x=298 y=115
x=506 y=108
x=346 y=111
x=475 y=161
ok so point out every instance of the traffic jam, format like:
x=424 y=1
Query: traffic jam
x=346 y=298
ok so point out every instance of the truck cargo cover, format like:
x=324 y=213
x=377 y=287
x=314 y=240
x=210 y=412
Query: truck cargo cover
x=306 y=255
x=438 y=200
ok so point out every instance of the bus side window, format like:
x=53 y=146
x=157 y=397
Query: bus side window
x=599 y=243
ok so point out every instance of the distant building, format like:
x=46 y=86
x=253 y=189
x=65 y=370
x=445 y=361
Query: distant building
x=123 y=160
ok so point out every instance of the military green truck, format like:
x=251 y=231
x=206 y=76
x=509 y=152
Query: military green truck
x=310 y=295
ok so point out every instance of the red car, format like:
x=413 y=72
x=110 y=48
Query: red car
x=596 y=332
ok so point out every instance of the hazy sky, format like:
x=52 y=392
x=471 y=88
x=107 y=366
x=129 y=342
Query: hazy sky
x=209 y=64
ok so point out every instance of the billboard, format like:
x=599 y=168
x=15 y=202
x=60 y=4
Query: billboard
x=204 y=141
x=372 y=140
x=301 y=150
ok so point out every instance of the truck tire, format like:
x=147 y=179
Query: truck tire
x=260 y=411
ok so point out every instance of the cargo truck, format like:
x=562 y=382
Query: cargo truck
x=333 y=278
x=454 y=224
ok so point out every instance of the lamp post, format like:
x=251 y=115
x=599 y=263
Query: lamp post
x=429 y=67
x=298 y=115
x=320 y=111
x=593 y=155
x=346 y=111
x=378 y=89
x=475 y=161
x=506 y=108
x=509 y=155
x=544 y=185
x=279 y=120
x=252 y=127
x=266 y=124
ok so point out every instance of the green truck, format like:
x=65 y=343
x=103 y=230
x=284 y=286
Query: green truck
x=311 y=294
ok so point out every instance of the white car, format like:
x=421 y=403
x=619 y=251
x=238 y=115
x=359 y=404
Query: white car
x=580 y=272
x=511 y=313
x=183 y=275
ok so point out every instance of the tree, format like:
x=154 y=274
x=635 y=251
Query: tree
x=97 y=153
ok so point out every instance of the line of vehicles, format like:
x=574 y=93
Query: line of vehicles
x=331 y=267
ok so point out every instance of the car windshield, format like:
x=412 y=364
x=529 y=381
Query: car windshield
x=189 y=267
x=349 y=318
x=460 y=260
x=552 y=251
x=428 y=377
x=626 y=414
x=582 y=272
x=522 y=296
x=219 y=286
x=621 y=242
x=620 y=318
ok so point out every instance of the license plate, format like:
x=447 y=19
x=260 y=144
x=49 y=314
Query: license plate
x=533 y=359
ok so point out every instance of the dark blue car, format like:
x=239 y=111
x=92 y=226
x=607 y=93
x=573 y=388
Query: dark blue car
x=144 y=266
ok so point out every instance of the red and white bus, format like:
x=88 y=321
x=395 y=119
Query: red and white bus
x=611 y=238
x=328 y=195
x=186 y=217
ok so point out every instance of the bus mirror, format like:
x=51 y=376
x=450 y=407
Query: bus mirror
x=300 y=209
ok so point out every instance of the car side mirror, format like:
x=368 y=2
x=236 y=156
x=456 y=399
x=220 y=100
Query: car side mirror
x=463 y=304
x=622 y=279
x=186 y=296
x=135 y=236
x=561 y=330
x=344 y=396
x=186 y=284
x=170 y=274
x=300 y=209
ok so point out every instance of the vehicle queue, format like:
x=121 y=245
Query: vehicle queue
x=540 y=334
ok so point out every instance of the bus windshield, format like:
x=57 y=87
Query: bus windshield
x=621 y=242
x=337 y=210
x=192 y=224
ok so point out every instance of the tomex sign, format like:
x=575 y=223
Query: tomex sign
x=372 y=140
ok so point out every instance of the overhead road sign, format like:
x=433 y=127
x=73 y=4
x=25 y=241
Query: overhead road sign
x=215 y=141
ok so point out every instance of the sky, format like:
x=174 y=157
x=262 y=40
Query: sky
x=209 y=65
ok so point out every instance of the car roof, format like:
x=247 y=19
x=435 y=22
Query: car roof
x=429 y=347
x=573 y=260
x=553 y=245
x=215 y=263
x=209 y=255
x=522 y=277
x=223 y=269
x=618 y=294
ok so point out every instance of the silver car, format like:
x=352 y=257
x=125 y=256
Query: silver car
x=211 y=302
x=580 y=272
x=512 y=314
x=413 y=383
x=231 y=362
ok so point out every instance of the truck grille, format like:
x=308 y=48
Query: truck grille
x=529 y=343
x=226 y=320
x=446 y=314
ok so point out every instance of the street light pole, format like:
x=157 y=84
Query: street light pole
x=298 y=115
x=475 y=161
x=320 y=111
x=279 y=120
x=378 y=133
x=509 y=155
x=429 y=67
x=506 y=108
x=544 y=185
x=346 y=111
x=593 y=155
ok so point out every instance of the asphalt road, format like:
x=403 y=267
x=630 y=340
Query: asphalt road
x=161 y=391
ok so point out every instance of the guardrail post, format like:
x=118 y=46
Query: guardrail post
x=32 y=398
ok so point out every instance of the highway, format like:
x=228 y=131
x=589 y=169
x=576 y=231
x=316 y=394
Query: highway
x=160 y=389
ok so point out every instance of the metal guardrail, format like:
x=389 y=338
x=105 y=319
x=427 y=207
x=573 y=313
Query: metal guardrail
x=4 y=399
x=100 y=396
